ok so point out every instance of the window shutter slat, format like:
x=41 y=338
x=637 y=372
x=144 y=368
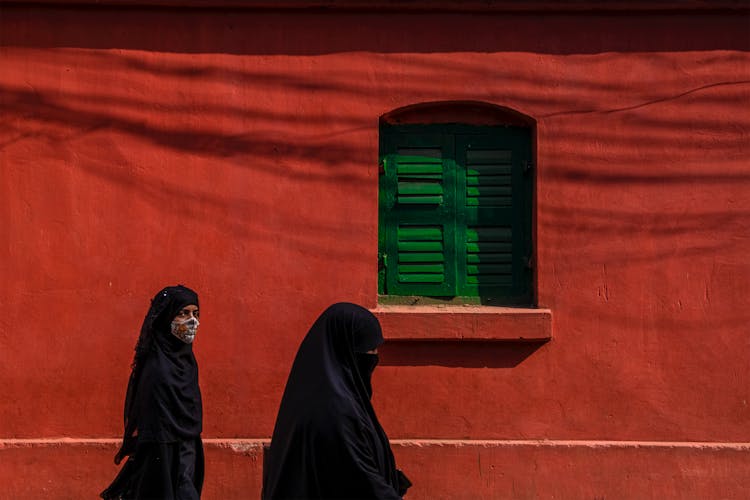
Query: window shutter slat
x=419 y=174
x=419 y=220
x=490 y=234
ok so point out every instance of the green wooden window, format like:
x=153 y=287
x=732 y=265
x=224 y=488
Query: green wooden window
x=455 y=212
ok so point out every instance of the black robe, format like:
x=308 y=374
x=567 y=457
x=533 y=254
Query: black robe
x=163 y=411
x=327 y=442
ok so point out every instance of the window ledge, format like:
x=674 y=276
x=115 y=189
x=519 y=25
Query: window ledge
x=464 y=323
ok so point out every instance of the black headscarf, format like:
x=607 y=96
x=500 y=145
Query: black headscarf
x=163 y=401
x=327 y=442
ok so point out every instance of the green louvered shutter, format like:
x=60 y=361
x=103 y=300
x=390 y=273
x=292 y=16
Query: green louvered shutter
x=417 y=214
x=493 y=233
x=455 y=212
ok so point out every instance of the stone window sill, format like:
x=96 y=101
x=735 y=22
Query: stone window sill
x=464 y=323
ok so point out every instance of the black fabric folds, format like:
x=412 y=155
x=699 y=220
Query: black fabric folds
x=160 y=471
x=327 y=442
x=163 y=400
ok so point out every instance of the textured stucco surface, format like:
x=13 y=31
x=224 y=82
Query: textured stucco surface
x=236 y=152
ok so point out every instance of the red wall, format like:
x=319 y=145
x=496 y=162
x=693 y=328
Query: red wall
x=235 y=151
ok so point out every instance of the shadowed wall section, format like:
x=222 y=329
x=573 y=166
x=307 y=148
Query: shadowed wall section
x=235 y=151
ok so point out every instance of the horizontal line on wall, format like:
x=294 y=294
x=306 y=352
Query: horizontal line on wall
x=551 y=443
x=239 y=444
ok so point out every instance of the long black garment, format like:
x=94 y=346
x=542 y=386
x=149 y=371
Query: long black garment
x=163 y=411
x=327 y=442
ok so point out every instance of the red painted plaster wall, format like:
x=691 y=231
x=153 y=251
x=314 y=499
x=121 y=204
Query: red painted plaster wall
x=235 y=151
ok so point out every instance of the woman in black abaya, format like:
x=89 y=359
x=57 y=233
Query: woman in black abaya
x=163 y=410
x=327 y=442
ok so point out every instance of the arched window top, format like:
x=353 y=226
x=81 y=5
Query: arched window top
x=456 y=204
x=466 y=112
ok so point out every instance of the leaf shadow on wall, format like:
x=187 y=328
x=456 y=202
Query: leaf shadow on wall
x=207 y=108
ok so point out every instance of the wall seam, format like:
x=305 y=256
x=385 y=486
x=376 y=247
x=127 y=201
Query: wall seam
x=256 y=442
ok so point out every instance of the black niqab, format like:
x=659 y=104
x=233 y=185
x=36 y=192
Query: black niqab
x=327 y=442
x=163 y=400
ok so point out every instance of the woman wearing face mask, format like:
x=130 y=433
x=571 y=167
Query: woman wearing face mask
x=163 y=410
x=327 y=442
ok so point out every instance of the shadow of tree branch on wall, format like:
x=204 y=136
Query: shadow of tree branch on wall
x=202 y=141
x=624 y=106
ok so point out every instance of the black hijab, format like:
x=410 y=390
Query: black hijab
x=163 y=401
x=327 y=442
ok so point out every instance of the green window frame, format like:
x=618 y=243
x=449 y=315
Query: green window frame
x=455 y=208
